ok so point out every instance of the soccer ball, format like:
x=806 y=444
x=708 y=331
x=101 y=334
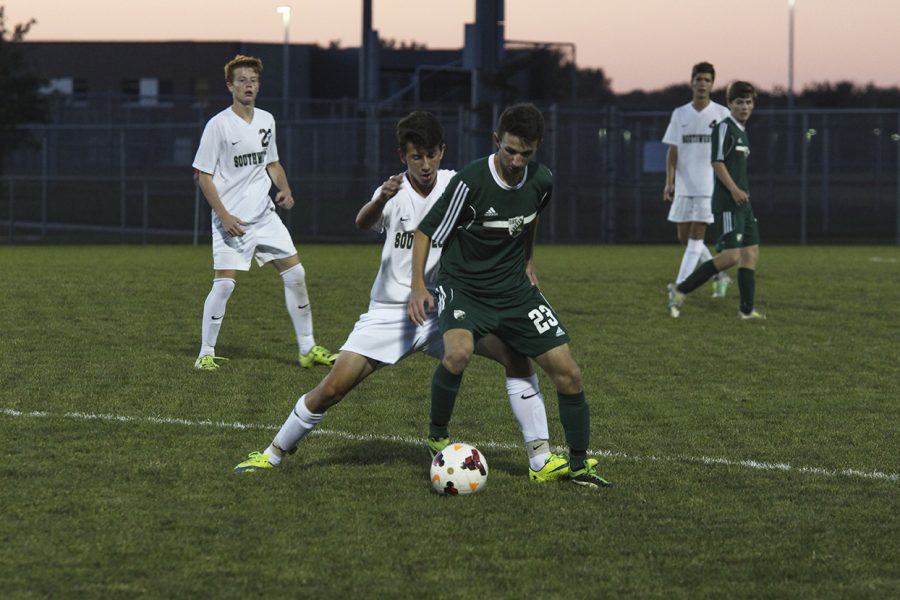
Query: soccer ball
x=459 y=469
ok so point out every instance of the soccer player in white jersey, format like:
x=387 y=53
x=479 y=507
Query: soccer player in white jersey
x=384 y=335
x=689 y=174
x=237 y=162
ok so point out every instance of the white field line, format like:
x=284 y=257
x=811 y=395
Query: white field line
x=484 y=444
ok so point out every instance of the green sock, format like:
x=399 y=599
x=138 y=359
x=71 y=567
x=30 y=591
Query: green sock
x=576 y=421
x=701 y=275
x=747 y=287
x=444 y=388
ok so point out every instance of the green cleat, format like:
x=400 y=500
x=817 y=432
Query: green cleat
x=588 y=476
x=435 y=445
x=720 y=285
x=319 y=355
x=256 y=461
x=556 y=468
x=207 y=362
x=676 y=299
x=754 y=314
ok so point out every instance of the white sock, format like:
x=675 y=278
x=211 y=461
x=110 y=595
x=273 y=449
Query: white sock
x=300 y=422
x=296 y=299
x=527 y=404
x=689 y=261
x=213 y=313
x=538 y=451
x=705 y=255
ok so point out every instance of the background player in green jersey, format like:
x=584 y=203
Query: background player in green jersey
x=735 y=224
x=486 y=221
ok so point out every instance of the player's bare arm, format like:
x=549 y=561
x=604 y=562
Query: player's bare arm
x=671 y=164
x=372 y=210
x=230 y=223
x=739 y=195
x=529 y=255
x=421 y=302
x=284 y=198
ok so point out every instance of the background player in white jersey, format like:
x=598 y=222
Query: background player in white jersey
x=237 y=163
x=689 y=174
x=384 y=335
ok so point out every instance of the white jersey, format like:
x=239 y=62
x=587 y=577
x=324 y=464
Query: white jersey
x=236 y=154
x=690 y=131
x=399 y=221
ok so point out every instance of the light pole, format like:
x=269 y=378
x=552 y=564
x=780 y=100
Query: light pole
x=791 y=53
x=790 y=91
x=285 y=12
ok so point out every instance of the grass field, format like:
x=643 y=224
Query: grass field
x=750 y=459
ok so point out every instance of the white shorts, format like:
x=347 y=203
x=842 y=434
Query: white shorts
x=386 y=334
x=268 y=239
x=691 y=209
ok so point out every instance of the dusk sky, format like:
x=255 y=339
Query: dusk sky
x=639 y=43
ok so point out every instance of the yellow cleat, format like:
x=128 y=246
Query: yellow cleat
x=207 y=362
x=319 y=355
x=555 y=468
x=256 y=461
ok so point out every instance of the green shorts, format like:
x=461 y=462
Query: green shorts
x=735 y=229
x=527 y=324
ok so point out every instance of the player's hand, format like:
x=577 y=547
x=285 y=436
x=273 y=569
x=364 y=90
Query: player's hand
x=390 y=187
x=421 y=302
x=284 y=200
x=532 y=276
x=740 y=197
x=669 y=193
x=232 y=225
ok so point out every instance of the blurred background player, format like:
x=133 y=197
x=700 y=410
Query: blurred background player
x=735 y=226
x=486 y=221
x=689 y=174
x=237 y=163
x=384 y=335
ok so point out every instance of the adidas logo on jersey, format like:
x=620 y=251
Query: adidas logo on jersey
x=490 y=212
x=560 y=332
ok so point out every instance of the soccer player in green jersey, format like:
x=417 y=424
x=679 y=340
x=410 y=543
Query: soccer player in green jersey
x=735 y=225
x=384 y=336
x=486 y=220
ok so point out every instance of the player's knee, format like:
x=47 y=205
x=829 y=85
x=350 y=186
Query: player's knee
x=295 y=275
x=456 y=359
x=726 y=259
x=222 y=287
x=328 y=393
x=568 y=379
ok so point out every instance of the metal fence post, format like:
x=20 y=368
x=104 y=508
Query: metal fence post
x=44 y=185
x=573 y=175
x=896 y=139
x=554 y=150
x=12 y=211
x=122 y=183
x=196 y=213
x=314 y=209
x=638 y=159
x=145 y=211
x=826 y=175
x=289 y=167
x=804 y=171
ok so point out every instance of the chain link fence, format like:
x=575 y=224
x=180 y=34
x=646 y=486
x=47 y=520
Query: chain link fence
x=817 y=176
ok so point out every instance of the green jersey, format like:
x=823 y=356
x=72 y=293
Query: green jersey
x=483 y=225
x=731 y=146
